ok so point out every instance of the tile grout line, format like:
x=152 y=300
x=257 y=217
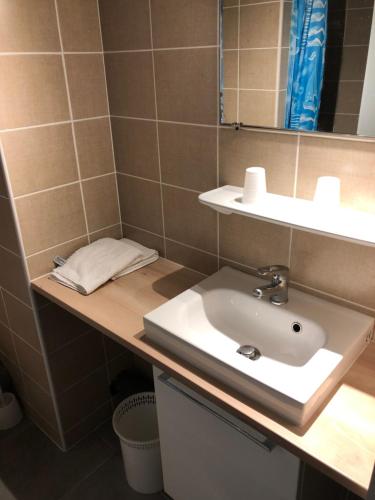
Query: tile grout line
x=295 y=180
x=71 y=117
x=278 y=61
x=60 y=186
x=109 y=116
x=51 y=124
x=157 y=130
x=238 y=62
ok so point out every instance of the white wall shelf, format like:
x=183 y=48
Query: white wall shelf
x=340 y=223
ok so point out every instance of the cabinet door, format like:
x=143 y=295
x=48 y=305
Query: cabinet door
x=208 y=454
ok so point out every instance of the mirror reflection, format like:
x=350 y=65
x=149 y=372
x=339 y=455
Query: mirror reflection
x=299 y=65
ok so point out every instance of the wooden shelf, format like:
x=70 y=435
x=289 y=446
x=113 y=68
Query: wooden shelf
x=340 y=223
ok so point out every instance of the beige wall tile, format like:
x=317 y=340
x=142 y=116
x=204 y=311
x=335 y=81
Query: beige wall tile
x=87 y=85
x=230 y=106
x=351 y=161
x=3 y=315
x=275 y=152
x=59 y=327
x=40 y=401
x=131 y=84
x=257 y=108
x=252 y=242
x=259 y=25
x=100 y=197
x=84 y=398
x=125 y=24
x=50 y=430
x=76 y=360
x=8 y=233
x=6 y=343
x=194 y=259
x=50 y=218
x=94 y=147
x=329 y=265
x=230 y=69
x=12 y=275
x=229 y=3
x=188 y=156
x=136 y=149
x=285 y=35
x=28 y=26
x=184 y=23
x=42 y=263
x=108 y=232
x=31 y=363
x=21 y=320
x=25 y=100
x=144 y=238
x=79 y=24
x=186 y=92
x=140 y=203
x=358 y=27
x=258 y=69
x=230 y=29
x=187 y=220
x=40 y=158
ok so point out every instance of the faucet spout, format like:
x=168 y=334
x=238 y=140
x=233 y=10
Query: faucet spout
x=277 y=290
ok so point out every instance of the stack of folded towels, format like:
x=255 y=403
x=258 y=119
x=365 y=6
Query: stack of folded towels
x=105 y=259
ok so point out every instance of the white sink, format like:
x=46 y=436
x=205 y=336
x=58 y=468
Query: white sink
x=208 y=323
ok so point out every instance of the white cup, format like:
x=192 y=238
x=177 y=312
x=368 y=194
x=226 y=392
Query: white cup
x=327 y=192
x=10 y=412
x=255 y=185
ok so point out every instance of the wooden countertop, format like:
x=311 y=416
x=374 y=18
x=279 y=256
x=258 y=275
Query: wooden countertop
x=340 y=440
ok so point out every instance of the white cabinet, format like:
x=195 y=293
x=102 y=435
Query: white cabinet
x=208 y=454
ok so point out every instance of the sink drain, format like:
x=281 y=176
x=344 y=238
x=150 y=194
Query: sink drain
x=297 y=327
x=249 y=351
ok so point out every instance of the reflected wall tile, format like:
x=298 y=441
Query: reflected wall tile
x=259 y=25
x=257 y=107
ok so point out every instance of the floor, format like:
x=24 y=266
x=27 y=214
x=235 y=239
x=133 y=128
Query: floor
x=33 y=468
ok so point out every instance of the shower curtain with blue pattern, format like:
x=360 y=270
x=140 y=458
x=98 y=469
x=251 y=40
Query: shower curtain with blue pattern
x=308 y=35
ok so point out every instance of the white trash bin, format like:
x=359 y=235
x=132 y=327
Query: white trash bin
x=135 y=423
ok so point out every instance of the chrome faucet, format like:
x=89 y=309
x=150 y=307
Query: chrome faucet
x=277 y=290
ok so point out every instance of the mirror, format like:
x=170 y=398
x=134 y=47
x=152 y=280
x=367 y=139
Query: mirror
x=300 y=65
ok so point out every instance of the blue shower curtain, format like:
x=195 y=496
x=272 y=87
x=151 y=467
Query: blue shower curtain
x=308 y=36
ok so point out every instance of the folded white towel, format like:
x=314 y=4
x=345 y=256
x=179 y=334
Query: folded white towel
x=147 y=257
x=95 y=264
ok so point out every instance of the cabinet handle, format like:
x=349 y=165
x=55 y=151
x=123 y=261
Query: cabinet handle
x=266 y=445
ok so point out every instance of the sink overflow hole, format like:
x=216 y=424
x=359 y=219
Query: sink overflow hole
x=249 y=351
x=297 y=327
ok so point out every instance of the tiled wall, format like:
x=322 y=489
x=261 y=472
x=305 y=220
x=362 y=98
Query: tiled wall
x=54 y=127
x=349 y=27
x=161 y=60
x=256 y=48
x=21 y=346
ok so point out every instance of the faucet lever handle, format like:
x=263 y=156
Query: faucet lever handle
x=273 y=270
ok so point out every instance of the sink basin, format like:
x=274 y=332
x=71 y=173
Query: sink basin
x=302 y=349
